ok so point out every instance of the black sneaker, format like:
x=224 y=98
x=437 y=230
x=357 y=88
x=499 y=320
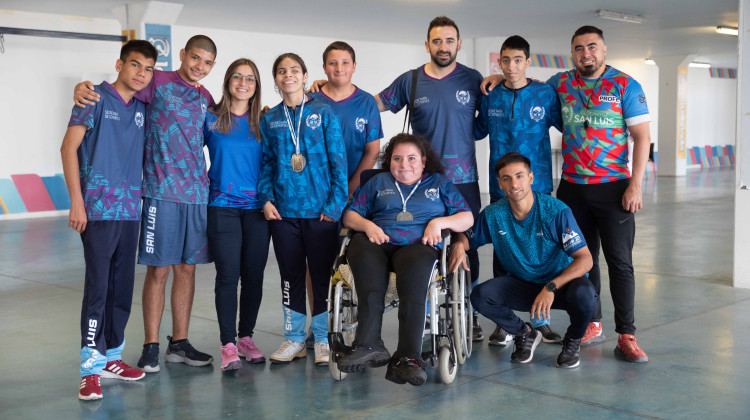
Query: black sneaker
x=499 y=337
x=569 y=357
x=363 y=357
x=149 y=361
x=525 y=344
x=478 y=333
x=549 y=335
x=404 y=370
x=183 y=352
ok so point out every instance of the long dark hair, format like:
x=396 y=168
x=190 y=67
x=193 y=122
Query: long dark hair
x=432 y=161
x=224 y=122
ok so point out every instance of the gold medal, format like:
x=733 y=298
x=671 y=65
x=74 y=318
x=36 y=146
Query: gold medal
x=298 y=162
x=405 y=216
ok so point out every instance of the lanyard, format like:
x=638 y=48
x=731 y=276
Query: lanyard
x=295 y=136
x=410 y=194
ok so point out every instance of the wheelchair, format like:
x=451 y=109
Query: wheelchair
x=449 y=312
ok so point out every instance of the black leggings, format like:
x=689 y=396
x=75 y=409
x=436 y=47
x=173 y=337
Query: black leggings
x=599 y=213
x=371 y=265
x=238 y=240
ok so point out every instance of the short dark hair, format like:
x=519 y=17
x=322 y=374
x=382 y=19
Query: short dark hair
x=432 y=160
x=509 y=158
x=587 y=29
x=140 y=46
x=292 y=56
x=339 y=46
x=203 y=42
x=442 y=21
x=516 y=42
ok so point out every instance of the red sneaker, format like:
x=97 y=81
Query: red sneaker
x=117 y=369
x=593 y=334
x=627 y=349
x=90 y=388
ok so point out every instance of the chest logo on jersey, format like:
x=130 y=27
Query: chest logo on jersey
x=313 y=121
x=173 y=98
x=111 y=115
x=432 y=193
x=139 y=119
x=536 y=113
x=502 y=232
x=610 y=99
x=495 y=113
x=387 y=191
x=359 y=124
x=278 y=124
x=567 y=115
x=463 y=97
x=203 y=107
x=421 y=101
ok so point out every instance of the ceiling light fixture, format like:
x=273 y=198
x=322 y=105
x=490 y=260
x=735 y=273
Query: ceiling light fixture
x=700 y=65
x=727 y=30
x=621 y=16
x=649 y=61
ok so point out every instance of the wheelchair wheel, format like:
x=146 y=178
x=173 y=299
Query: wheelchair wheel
x=462 y=321
x=342 y=325
x=447 y=365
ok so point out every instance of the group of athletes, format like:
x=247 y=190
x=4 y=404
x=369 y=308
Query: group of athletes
x=134 y=164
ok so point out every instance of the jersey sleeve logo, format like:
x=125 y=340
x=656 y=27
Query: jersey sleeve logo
x=570 y=239
x=138 y=119
x=536 y=113
x=432 y=193
x=313 y=121
x=642 y=99
x=463 y=97
x=359 y=124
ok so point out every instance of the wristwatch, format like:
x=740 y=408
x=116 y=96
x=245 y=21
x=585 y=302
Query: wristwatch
x=551 y=286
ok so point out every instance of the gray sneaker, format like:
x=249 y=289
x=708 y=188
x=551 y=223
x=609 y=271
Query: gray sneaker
x=184 y=352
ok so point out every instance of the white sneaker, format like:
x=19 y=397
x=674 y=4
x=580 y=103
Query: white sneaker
x=322 y=353
x=289 y=351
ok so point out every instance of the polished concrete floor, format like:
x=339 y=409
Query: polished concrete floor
x=691 y=322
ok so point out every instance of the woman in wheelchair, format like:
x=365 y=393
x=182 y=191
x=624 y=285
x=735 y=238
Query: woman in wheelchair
x=398 y=216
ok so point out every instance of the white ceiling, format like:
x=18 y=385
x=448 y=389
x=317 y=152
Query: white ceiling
x=672 y=27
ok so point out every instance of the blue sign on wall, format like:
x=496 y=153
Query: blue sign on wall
x=160 y=36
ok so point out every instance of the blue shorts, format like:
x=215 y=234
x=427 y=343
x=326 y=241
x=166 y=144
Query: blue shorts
x=173 y=233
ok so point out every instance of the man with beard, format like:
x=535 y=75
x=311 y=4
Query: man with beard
x=600 y=105
x=447 y=97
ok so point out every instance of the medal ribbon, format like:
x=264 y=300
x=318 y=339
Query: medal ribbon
x=410 y=194
x=295 y=136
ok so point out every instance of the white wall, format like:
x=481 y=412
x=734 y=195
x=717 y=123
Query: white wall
x=37 y=76
x=711 y=109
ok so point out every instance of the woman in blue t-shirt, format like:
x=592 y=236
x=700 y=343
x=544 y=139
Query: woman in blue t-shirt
x=399 y=215
x=238 y=233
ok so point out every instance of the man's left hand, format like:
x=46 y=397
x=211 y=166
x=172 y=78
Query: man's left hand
x=632 y=200
x=542 y=304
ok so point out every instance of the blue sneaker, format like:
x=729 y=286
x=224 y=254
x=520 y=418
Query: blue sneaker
x=149 y=361
x=183 y=352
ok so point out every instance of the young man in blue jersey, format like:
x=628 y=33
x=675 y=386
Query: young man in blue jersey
x=517 y=116
x=545 y=259
x=175 y=190
x=102 y=154
x=357 y=111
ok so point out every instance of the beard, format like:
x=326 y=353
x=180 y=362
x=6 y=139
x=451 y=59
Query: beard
x=443 y=62
x=588 y=71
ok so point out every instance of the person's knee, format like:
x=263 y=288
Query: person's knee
x=157 y=275
x=184 y=272
x=585 y=297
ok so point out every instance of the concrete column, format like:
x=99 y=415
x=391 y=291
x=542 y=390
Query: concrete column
x=742 y=158
x=672 y=114
x=152 y=21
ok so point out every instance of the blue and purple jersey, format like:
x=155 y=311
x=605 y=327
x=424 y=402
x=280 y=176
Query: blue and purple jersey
x=599 y=153
x=518 y=120
x=235 y=164
x=536 y=249
x=322 y=186
x=379 y=201
x=110 y=157
x=174 y=166
x=444 y=112
x=360 y=123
